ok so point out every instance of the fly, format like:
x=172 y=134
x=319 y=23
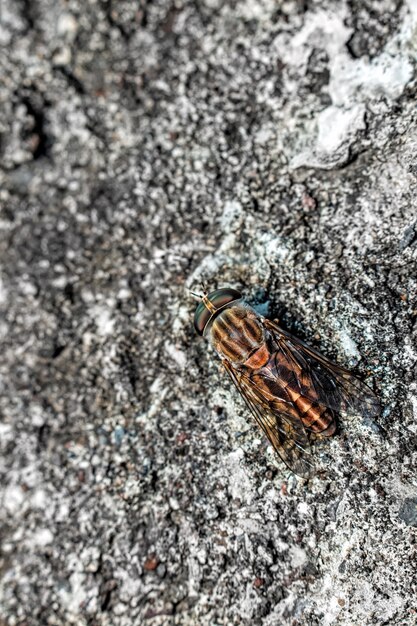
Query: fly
x=293 y=392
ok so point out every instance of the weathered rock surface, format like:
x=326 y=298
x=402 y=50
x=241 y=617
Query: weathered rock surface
x=145 y=147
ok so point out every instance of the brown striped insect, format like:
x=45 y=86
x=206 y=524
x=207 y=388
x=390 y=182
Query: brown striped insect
x=294 y=393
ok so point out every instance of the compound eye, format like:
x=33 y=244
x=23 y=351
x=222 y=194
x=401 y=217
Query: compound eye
x=219 y=299
x=201 y=317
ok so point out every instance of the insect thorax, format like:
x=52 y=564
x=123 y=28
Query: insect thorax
x=236 y=333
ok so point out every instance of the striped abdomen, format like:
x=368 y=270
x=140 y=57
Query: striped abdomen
x=290 y=390
x=238 y=335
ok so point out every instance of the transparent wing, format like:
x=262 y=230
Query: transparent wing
x=319 y=379
x=283 y=428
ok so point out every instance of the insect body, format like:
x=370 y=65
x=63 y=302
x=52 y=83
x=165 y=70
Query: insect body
x=293 y=392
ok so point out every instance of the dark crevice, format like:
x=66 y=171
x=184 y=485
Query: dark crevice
x=350 y=46
x=38 y=130
x=113 y=23
x=69 y=293
x=72 y=80
x=106 y=601
x=352 y=158
x=43 y=434
x=29 y=13
x=57 y=351
x=130 y=368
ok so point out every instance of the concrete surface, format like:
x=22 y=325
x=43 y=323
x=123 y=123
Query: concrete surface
x=146 y=146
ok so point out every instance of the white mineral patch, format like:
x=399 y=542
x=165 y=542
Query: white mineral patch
x=274 y=247
x=239 y=482
x=6 y=431
x=303 y=508
x=124 y=293
x=129 y=586
x=62 y=511
x=250 y=10
x=325 y=141
x=158 y=393
x=27 y=288
x=322 y=29
x=63 y=56
x=37 y=415
x=182 y=314
x=298 y=556
x=413 y=400
x=73 y=597
x=42 y=537
x=3 y=292
x=176 y=354
x=3 y=329
x=361 y=80
x=232 y=215
x=370 y=605
x=335 y=125
x=67 y=26
x=333 y=609
x=38 y=498
x=103 y=319
x=13 y=498
x=349 y=346
x=156 y=385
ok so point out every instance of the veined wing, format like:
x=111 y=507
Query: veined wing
x=321 y=380
x=284 y=430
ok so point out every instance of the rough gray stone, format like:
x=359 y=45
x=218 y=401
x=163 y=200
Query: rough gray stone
x=408 y=511
x=149 y=146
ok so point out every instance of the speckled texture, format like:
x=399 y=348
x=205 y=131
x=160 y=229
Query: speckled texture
x=146 y=146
